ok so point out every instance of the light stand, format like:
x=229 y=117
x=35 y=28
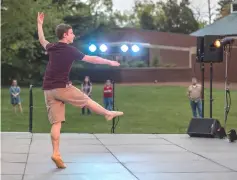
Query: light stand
x=227 y=91
x=113 y=122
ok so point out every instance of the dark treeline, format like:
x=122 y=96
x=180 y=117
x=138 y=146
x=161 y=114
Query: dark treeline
x=24 y=59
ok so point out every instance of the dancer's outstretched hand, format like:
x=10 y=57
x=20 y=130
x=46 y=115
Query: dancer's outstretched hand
x=40 y=18
x=114 y=63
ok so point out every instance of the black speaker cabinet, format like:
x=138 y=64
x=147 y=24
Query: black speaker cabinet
x=203 y=127
x=211 y=53
x=200 y=49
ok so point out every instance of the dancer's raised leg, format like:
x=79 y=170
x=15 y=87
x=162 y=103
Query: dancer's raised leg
x=97 y=108
x=75 y=97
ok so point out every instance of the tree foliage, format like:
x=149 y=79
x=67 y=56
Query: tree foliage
x=167 y=16
x=20 y=48
x=19 y=26
x=24 y=58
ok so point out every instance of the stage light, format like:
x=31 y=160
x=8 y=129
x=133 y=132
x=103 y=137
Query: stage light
x=92 y=48
x=217 y=43
x=135 y=48
x=103 y=48
x=124 y=48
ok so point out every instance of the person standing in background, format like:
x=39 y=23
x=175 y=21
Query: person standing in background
x=194 y=95
x=108 y=95
x=15 y=96
x=86 y=88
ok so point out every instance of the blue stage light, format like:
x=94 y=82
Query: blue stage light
x=103 y=48
x=124 y=48
x=135 y=48
x=92 y=48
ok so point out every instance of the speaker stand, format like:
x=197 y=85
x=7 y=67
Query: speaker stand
x=202 y=69
x=211 y=78
x=113 y=123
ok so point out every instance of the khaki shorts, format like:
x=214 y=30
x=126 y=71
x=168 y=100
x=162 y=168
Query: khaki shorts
x=55 y=100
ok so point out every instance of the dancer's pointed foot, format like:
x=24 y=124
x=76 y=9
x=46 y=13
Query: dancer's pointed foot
x=58 y=161
x=113 y=114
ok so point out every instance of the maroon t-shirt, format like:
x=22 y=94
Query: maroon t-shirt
x=61 y=58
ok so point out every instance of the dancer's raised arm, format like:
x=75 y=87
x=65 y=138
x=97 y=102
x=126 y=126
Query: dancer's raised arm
x=40 y=21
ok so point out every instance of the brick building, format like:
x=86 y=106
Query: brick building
x=170 y=48
x=176 y=50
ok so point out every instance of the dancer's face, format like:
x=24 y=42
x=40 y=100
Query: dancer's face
x=69 y=36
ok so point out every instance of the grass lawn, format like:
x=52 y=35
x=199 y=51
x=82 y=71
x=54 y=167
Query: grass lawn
x=147 y=109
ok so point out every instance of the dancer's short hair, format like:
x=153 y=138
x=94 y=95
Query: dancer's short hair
x=61 y=29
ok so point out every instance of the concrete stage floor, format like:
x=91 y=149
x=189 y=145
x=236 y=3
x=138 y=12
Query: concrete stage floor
x=26 y=156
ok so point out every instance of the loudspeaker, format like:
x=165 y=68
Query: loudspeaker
x=200 y=49
x=211 y=53
x=203 y=127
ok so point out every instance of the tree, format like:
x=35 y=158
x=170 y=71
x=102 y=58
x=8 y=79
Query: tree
x=200 y=16
x=177 y=18
x=188 y=23
x=147 y=21
x=121 y=18
x=80 y=18
x=144 y=13
x=20 y=47
x=102 y=10
x=167 y=16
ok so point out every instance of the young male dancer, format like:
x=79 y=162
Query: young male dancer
x=57 y=87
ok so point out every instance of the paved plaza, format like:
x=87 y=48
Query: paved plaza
x=26 y=156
